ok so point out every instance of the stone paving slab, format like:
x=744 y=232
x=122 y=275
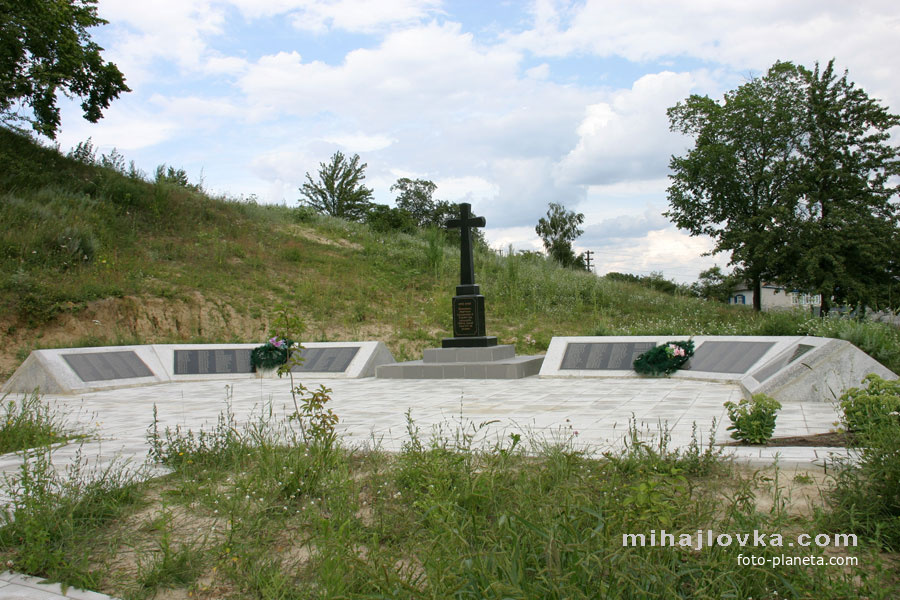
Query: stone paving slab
x=593 y=414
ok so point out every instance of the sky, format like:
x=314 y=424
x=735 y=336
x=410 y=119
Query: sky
x=508 y=105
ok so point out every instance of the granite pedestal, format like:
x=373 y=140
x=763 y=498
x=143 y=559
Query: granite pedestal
x=492 y=362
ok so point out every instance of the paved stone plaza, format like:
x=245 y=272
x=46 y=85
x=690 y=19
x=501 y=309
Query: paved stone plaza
x=593 y=413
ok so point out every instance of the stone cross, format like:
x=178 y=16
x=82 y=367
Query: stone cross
x=466 y=222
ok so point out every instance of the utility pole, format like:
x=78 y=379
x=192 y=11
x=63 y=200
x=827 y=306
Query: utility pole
x=587 y=259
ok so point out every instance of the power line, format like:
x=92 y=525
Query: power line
x=587 y=258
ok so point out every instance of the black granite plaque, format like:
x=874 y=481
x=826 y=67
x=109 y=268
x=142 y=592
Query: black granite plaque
x=465 y=314
x=326 y=360
x=105 y=366
x=782 y=361
x=213 y=361
x=727 y=357
x=603 y=356
x=468 y=316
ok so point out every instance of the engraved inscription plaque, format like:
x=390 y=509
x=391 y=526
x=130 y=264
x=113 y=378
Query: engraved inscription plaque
x=465 y=316
x=727 y=357
x=212 y=361
x=105 y=366
x=603 y=356
x=326 y=360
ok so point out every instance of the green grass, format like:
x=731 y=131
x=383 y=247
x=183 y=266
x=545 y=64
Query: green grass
x=250 y=511
x=28 y=422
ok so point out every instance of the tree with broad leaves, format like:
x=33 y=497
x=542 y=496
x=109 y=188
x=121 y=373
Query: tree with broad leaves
x=415 y=197
x=339 y=191
x=738 y=184
x=794 y=174
x=848 y=241
x=714 y=284
x=45 y=49
x=558 y=230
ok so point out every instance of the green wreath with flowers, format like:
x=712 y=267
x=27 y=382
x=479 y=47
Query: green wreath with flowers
x=271 y=355
x=664 y=359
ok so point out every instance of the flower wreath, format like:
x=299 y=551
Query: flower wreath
x=272 y=354
x=664 y=359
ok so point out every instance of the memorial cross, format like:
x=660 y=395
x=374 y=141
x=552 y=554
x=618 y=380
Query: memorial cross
x=466 y=222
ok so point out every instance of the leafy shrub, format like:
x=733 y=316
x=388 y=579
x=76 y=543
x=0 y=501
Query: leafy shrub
x=77 y=243
x=874 y=404
x=664 y=359
x=306 y=214
x=383 y=218
x=866 y=495
x=753 y=421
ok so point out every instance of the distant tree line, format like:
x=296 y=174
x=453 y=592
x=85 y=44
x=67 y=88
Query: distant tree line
x=654 y=281
x=338 y=190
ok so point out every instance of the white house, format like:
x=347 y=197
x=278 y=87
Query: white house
x=774 y=297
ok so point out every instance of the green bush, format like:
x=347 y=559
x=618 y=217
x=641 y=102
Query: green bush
x=877 y=403
x=866 y=495
x=753 y=421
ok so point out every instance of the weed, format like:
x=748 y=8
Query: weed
x=29 y=423
x=52 y=517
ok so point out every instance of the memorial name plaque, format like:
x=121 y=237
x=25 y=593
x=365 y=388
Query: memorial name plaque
x=465 y=316
x=326 y=360
x=781 y=362
x=727 y=357
x=211 y=362
x=106 y=366
x=606 y=356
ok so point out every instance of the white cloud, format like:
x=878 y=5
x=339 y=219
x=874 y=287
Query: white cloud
x=172 y=30
x=520 y=238
x=360 y=142
x=413 y=74
x=627 y=137
x=466 y=188
x=125 y=126
x=614 y=229
x=360 y=15
x=746 y=36
x=284 y=165
x=542 y=71
x=675 y=254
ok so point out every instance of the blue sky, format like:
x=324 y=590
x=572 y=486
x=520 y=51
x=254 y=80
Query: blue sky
x=508 y=105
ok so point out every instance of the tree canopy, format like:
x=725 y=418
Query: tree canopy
x=415 y=197
x=558 y=230
x=769 y=159
x=339 y=191
x=848 y=239
x=45 y=49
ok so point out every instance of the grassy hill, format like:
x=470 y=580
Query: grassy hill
x=93 y=255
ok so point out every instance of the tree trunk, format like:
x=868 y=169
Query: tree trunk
x=757 y=294
x=825 y=306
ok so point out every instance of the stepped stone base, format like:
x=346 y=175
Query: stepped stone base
x=494 y=362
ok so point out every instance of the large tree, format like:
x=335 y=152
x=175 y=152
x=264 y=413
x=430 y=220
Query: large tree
x=558 y=230
x=738 y=183
x=45 y=49
x=339 y=191
x=848 y=240
x=793 y=174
